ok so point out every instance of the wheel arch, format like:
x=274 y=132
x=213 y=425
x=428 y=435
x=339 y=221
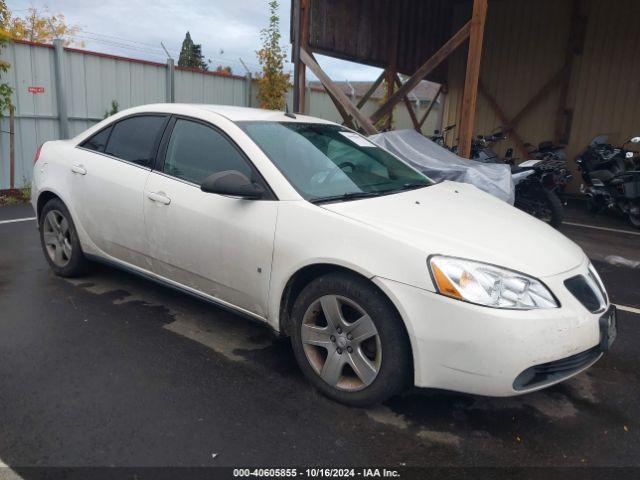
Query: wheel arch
x=43 y=197
x=305 y=275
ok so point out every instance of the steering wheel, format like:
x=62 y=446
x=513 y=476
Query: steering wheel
x=342 y=166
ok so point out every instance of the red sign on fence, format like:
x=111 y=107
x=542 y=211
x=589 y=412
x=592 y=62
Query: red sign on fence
x=35 y=89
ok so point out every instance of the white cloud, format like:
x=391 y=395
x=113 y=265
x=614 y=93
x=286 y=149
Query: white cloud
x=227 y=30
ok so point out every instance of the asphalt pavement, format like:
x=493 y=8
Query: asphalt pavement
x=114 y=370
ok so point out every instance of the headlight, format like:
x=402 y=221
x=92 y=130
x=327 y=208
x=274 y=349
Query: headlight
x=488 y=285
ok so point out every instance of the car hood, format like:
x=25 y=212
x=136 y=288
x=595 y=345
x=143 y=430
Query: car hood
x=460 y=220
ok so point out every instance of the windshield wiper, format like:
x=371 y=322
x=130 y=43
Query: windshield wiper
x=345 y=197
x=406 y=186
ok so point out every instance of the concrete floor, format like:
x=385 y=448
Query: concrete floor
x=115 y=370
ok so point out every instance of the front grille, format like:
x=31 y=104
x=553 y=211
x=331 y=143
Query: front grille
x=587 y=291
x=556 y=370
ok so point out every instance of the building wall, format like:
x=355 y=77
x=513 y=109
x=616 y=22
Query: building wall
x=525 y=45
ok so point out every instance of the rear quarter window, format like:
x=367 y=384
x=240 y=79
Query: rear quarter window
x=98 y=143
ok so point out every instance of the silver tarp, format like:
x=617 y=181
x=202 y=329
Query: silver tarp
x=440 y=164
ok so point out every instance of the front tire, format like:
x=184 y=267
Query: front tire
x=59 y=240
x=349 y=340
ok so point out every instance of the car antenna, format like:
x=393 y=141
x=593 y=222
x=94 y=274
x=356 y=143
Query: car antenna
x=287 y=113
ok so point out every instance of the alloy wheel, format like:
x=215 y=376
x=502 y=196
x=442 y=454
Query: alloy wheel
x=56 y=236
x=341 y=343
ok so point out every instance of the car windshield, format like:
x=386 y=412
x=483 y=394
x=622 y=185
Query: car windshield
x=327 y=162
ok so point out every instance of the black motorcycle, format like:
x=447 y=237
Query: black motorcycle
x=536 y=182
x=439 y=136
x=555 y=158
x=611 y=178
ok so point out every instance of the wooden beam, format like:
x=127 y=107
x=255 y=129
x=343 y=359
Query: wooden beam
x=409 y=107
x=374 y=86
x=503 y=119
x=425 y=69
x=433 y=101
x=470 y=95
x=546 y=89
x=336 y=92
x=347 y=119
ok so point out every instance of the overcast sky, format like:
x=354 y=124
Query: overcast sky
x=227 y=29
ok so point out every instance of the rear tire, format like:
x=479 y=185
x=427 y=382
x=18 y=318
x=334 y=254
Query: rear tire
x=556 y=208
x=59 y=240
x=349 y=340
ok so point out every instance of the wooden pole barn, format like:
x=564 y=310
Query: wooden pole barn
x=408 y=37
x=561 y=70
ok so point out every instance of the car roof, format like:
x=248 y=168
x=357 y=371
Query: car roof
x=233 y=113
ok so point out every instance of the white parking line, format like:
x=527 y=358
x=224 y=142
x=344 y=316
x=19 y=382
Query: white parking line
x=617 y=230
x=624 y=308
x=6 y=473
x=16 y=220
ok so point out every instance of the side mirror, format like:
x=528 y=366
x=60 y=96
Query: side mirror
x=232 y=183
x=635 y=140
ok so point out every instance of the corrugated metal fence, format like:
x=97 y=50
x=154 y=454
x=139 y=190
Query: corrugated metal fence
x=91 y=81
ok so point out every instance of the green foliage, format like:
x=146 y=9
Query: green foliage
x=114 y=109
x=273 y=82
x=191 y=54
x=5 y=90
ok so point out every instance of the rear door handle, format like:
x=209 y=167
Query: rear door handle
x=79 y=169
x=159 y=197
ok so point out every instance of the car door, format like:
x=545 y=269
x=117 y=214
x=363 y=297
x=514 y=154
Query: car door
x=108 y=180
x=214 y=244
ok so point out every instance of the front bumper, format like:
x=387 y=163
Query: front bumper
x=469 y=348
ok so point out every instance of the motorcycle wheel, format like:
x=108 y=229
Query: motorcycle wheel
x=542 y=204
x=554 y=206
x=592 y=207
x=634 y=218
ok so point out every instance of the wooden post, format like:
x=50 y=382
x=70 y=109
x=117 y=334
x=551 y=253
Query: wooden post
x=470 y=96
x=574 y=47
x=12 y=147
x=337 y=93
x=304 y=41
x=425 y=69
x=390 y=77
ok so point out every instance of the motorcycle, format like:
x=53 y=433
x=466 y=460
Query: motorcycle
x=551 y=159
x=611 y=178
x=536 y=181
x=440 y=136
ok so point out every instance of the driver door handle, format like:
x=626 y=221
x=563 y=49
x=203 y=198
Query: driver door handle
x=159 y=197
x=79 y=169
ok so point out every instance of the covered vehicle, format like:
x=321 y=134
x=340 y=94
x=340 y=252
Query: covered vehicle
x=440 y=164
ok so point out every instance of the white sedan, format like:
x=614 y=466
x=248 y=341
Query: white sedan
x=381 y=277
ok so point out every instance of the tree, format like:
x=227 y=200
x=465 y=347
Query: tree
x=191 y=54
x=273 y=83
x=41 y=26
x=5 y=90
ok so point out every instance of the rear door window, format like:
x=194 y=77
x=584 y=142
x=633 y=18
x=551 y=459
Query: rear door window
x=135 y=139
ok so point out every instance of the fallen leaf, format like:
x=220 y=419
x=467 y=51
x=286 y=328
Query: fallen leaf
x=626 y=429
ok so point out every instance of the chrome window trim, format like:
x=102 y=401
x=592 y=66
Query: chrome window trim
x=113 y=158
